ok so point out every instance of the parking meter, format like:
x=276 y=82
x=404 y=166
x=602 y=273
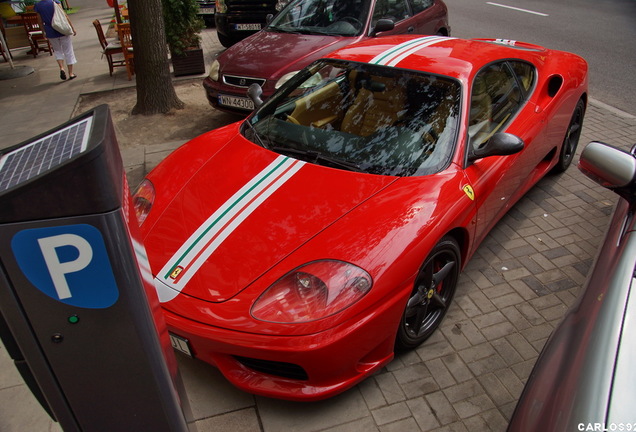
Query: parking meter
x=78 y=312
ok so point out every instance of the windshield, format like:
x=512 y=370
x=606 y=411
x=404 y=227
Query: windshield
x=373 y=119
x=330 y=17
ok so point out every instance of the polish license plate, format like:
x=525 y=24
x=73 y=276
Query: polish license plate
x=236 y=102
x=247 y=26
x=180 y=344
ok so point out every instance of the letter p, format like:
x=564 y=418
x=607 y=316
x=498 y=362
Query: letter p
x=57 y=269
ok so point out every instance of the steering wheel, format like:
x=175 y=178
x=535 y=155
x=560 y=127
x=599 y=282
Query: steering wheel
x=291 y=119
x=429 y=139
x=430 y=136
x=353 y=21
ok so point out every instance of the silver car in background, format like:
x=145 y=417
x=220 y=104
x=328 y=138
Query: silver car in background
x=585 y=377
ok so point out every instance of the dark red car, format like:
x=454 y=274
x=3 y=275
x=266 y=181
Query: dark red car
x=306 y=30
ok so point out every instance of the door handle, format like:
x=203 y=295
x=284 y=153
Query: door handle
x=410 y=29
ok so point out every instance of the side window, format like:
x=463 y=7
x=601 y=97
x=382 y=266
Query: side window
x=495 y=99
x=392 y=9
x=525 y=74
x=420 y=5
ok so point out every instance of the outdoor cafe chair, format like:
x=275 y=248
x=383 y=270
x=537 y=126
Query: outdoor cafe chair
x=125 y=39
x=109 y=48
x=35 y=31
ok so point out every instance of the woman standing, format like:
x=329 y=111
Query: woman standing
x=62 y=44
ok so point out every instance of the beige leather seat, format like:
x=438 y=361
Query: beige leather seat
x=479 y=123
x=379 y=103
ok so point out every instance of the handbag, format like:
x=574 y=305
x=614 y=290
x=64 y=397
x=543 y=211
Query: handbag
x=60 y=21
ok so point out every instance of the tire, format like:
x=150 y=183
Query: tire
x=571 y=140
x=434 y=289
x=226 y=41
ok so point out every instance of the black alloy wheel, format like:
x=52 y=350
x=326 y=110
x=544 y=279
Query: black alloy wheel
x=433 y=292
x=571 y=140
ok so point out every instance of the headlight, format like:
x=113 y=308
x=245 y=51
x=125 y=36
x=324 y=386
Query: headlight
x=285 y=78
x=312 y=81
x=214 y=70
x=311 y=292
x=143 y=198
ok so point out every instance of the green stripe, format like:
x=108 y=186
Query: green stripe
x=234 y=204
x=398 y=48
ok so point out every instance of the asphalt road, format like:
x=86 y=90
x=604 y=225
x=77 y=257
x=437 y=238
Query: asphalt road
x=602 y=32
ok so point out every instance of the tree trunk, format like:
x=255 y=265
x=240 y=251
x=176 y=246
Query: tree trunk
x=155 y=92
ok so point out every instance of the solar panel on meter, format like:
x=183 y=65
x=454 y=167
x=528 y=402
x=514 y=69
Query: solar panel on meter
x=44 y=154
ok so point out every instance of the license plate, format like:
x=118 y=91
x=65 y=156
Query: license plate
x=206 y=11
x=247 y=26
x=236 y=102
x=180 y=344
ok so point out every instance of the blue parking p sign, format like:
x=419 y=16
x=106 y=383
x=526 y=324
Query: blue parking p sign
x=68 y=263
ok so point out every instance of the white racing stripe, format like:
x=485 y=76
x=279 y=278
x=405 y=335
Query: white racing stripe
x=393 y=56
x=210 y=235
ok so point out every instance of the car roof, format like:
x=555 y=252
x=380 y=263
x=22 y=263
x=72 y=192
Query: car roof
x=442 y=55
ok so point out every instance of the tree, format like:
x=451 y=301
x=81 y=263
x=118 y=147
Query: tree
x=155 y=92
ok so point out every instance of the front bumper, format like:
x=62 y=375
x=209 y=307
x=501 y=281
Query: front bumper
x=301 y=368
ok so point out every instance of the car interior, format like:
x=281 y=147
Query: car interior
x=382 y=121
x=498 y=93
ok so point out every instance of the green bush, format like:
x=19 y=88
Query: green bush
x=182 y=25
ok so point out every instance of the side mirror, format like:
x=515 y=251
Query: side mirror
x=383 y=24
x=610 y=167
x=500 y=144
x=254 y=92
x=268 y=18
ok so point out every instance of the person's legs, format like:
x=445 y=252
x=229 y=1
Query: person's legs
x=63 y=48
x=59 y=55
x=69 y=54
x=61 y=65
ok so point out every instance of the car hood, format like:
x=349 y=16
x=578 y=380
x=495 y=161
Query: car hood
x=243 y=211
x=273 y=54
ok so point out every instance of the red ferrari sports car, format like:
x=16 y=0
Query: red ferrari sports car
x=296 y=250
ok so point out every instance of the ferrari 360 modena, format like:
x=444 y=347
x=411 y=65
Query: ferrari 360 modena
x=298 y=249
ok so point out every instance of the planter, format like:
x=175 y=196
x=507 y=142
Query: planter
x=189 y=63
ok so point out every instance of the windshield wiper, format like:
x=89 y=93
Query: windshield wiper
x=325 y=33
x=256 y=135
x=289 y=30
x=298 y=30
x=316 y=157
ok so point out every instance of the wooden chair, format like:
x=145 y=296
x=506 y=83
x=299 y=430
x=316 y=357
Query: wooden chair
x=125 y=39
x=6 y=47
x=109 y=48
x=35 y=30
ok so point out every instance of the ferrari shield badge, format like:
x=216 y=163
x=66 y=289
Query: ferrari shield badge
x=470 y=193
x=175 y=273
